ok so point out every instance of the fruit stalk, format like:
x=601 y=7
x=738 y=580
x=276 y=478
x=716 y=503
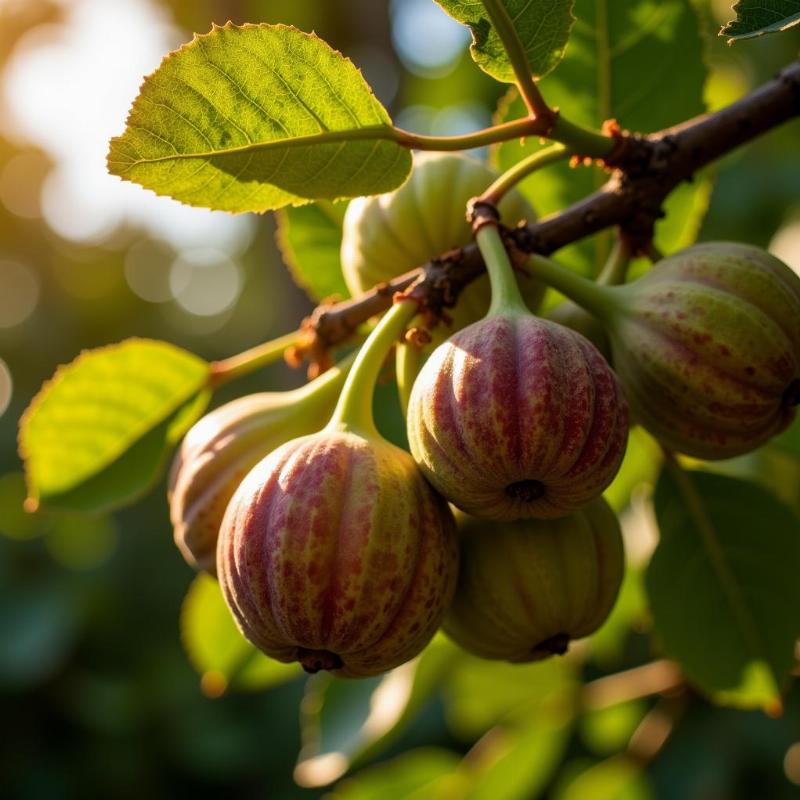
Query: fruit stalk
x=506 y=296
x=353 y=412
x=598 y=300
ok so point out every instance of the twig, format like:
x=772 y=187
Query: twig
x=645 y=169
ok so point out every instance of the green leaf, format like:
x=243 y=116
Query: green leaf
x=481 y=693
x=722 y=585
x=608 y=730
x=310 y=240
x=412 y=775
x=97 y=434
x=758 y=17
x=222 y=656
x=641 y=65
x=542 y=27
x=618 y=778
x=348 y=723
x=789 y=440
x=258 y=117
x=522 y=759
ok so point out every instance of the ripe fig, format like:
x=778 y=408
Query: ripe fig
x=515 y=416
x=706 y=345
x=223 y=446
x=526 y=589
x=334 y=551
x=389 y=234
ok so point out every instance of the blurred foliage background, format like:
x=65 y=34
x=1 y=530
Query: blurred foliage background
x=97 y=696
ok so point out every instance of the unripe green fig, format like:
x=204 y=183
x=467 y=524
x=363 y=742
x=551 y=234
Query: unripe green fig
x=334 y=551
x=706 y=345
x=526 y=589
x=223 y=446
x=516 y=417
x=389 y=234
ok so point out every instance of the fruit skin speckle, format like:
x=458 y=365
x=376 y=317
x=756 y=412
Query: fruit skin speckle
x=516 y=400
x=527 y=588
x=707 y=346
x=335 y=552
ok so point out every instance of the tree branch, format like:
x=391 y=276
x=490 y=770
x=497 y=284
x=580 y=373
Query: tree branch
x=645 y=169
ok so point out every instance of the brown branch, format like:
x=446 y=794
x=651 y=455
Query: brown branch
x=645 y=170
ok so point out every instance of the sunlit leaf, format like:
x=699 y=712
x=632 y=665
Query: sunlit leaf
x=222 y=656
x=758 y=17
x=97 y=434
x=258 y=117
x=412 y=775
x=481 y=693
x=517 y=763
x=608 y=730
x=618 y=778
x=347 y=723
x=642 y=65
x=310 y=238
x=542 y=27
x=720 y=583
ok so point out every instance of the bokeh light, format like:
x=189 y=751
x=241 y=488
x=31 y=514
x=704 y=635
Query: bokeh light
x=19 y=293
x=791 y=764
x=20 y=178
x=60 y=100
x=205 y=282
x=6 y=387
x=147 y=265
x=786 y=244
x=427 y=40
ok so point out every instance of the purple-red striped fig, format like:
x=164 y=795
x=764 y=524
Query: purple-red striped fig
x=222 y=447
x=389 y=234
x=515 y=416
x=706 y=345
x=526 y=589
x=334 y=551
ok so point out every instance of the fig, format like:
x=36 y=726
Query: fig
x=516 y=416
x=526 y=589
x=389 y=234
x=334 y=551
x=222 y=447
x=706 y=345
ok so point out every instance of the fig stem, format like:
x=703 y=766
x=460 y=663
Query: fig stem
x=506 y=296
x=220 y=372
x=601 y=301
x=354 y=410
x=521 y=170
x=322 y=387
x=408 y=363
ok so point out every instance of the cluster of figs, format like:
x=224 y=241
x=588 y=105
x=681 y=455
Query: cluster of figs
x=344 y=552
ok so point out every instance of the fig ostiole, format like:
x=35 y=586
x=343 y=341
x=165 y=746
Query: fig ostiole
x=706 y=345
x=223 y=446
x=335 y=552
x=515 y=416
x=526 y=589
x=386 y=235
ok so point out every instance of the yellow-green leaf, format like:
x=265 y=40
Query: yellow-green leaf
x=98 y=432
x=541 y=26
x=217 y=649
x=257 y=117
